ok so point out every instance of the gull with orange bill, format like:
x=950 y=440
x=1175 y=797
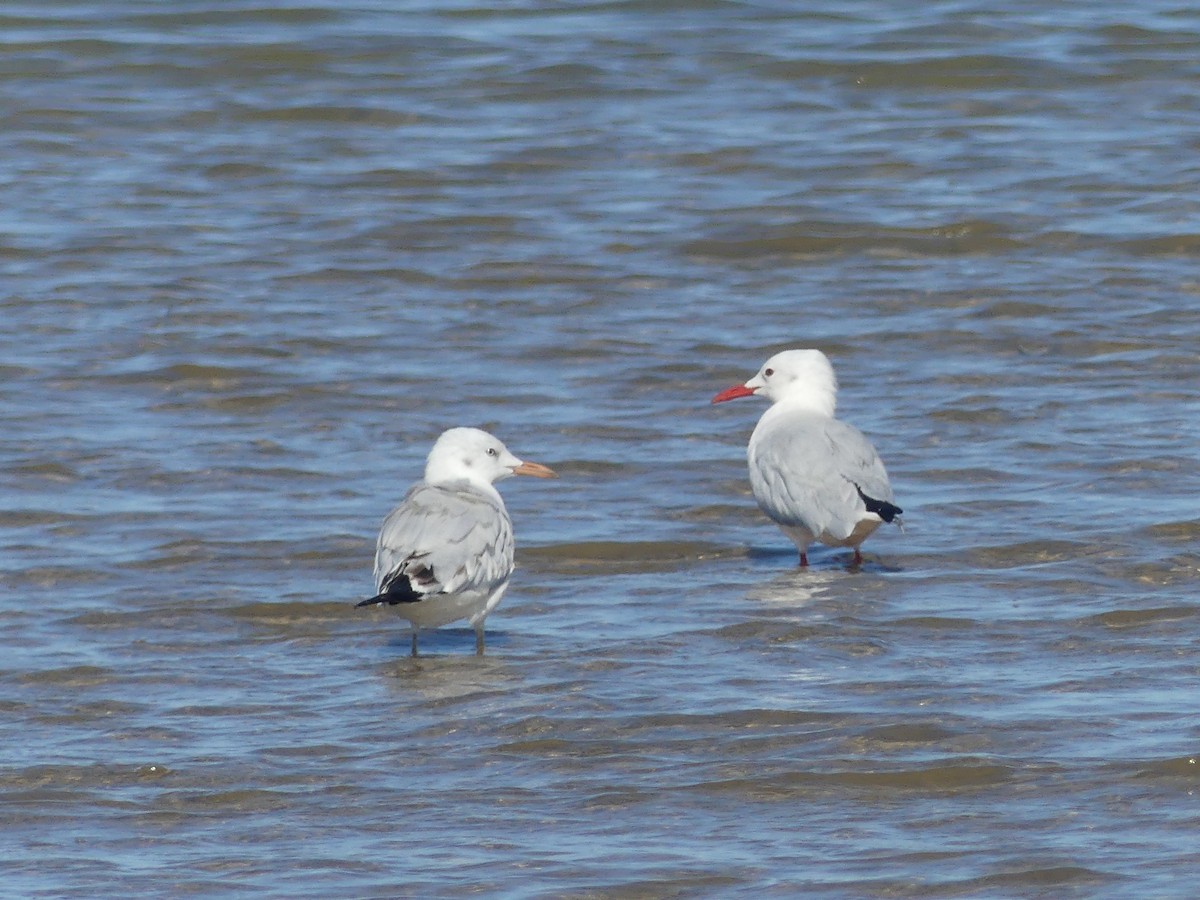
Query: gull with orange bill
x=818 y=478
x=446 y=552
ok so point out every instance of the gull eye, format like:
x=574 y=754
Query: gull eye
x=492 y=451
x=767 y=373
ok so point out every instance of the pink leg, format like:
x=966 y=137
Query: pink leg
x=857 y=557
x=803 y=559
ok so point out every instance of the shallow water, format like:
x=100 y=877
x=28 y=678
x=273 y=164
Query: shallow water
x=257 y=257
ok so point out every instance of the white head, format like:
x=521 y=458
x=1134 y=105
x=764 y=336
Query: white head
x=800 y=377
x=472 y=455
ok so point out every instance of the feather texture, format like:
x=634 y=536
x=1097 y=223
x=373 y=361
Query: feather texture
x=446 y=552
x=807 y=471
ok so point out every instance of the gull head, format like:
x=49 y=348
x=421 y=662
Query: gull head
x=473 y=455
x=801 y=377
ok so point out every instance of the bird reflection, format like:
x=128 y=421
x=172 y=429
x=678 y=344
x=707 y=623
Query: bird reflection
x=795 y=587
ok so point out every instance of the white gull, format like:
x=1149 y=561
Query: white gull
x=446 y=552
x=817 y=477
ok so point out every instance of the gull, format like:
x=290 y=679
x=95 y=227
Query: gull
x=818 y=478
x=446 y=552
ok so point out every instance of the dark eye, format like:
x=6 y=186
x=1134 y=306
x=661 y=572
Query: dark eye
x=492 y=451
x=768 y=372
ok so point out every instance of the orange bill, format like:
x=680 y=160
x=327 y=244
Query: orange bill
x=537 y=470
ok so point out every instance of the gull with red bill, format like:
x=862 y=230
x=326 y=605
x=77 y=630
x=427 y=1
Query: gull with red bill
x=818 y=478
x=446 y=552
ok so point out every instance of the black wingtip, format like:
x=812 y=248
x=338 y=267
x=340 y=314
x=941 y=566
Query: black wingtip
x=399 y=589
x=391 y=598
x=883 y=509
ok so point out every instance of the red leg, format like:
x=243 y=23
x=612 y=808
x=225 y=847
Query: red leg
x=803 y=559
x=857 y=557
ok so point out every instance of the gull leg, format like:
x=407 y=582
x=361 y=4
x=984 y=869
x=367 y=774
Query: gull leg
x=414 y=640
x=803 y=559
x=857 y=557
x=479 y=639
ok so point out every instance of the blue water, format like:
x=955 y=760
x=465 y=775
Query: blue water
x=257 y=257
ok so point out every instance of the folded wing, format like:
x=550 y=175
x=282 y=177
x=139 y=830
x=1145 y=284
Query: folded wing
x=443 y=539
x=819 y=473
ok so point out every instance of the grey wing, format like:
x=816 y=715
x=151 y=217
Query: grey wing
x=810 y=473
x=446 y=540
x=858 y=462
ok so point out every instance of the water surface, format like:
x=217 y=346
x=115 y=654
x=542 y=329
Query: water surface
x=257 y=257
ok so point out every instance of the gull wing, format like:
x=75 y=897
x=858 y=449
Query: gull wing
x=443 y=539
x=819 y=473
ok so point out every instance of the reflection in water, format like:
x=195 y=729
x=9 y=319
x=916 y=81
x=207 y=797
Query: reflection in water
x=796 y=587
x=440 y=675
